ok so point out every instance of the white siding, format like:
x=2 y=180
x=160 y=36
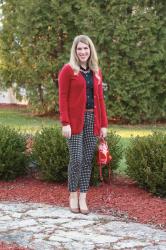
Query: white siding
x=9 y=97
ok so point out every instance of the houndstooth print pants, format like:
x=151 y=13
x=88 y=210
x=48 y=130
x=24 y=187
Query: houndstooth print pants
x=81 y=150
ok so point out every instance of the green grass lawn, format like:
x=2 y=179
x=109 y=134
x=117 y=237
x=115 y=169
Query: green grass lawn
x=23 y=120
x=27 y=123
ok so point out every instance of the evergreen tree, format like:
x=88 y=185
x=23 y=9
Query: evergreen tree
x=129 y=36
x=132 y=44
x=35 y=43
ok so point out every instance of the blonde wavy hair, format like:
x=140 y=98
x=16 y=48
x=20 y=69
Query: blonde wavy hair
x=93 y=59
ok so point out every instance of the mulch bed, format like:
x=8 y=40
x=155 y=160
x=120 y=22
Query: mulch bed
x=122 y=198
x=4 y=246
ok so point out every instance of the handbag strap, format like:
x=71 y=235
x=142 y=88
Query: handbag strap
x=109 y=172
x=102 y=139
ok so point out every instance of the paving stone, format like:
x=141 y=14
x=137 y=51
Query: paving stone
x=39 y=244
x=135 y=230
x=47 y=227
x=80 y=246
x=17 y=215
x=159 y=247
x=18 y=237
x=130 y=244
x=58 y=221
x=34 y=229
x=59 y=238
x=78 y=224
x=14 y=207
x=5 y=218
x=20 y=224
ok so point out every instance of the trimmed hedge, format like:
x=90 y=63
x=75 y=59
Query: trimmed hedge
x=146 y=160
x=13 y=160
x=51 y=154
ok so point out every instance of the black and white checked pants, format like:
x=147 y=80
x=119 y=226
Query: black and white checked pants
x=81 y=150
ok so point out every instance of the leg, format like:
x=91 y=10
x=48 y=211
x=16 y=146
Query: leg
x=75 y=152
x=89 y=145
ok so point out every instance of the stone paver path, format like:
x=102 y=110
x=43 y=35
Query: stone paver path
x=46 y=227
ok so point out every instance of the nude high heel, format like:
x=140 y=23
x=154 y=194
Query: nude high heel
x=82 y=204
x=73 y=202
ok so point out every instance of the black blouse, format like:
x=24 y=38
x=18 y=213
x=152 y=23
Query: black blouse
x=88 y=75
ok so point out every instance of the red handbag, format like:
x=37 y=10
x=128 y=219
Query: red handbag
x=103 y=157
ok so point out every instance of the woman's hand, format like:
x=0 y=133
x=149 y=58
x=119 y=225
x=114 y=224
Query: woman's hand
x=66 y=131
x=103 y=132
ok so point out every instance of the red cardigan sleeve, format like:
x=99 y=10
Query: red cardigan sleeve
x=64 y=87
x=104 y=120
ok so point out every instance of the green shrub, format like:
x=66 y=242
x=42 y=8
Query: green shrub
x=51 y=154
x=115 y=149
x=13 y=159
x=146 y=160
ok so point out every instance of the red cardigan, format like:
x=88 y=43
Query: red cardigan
x=72 y=100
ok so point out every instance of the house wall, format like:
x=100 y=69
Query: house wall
x=8 y=97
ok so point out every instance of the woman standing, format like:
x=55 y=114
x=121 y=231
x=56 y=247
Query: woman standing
x=83 y=116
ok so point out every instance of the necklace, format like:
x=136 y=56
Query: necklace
x=84 y=70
